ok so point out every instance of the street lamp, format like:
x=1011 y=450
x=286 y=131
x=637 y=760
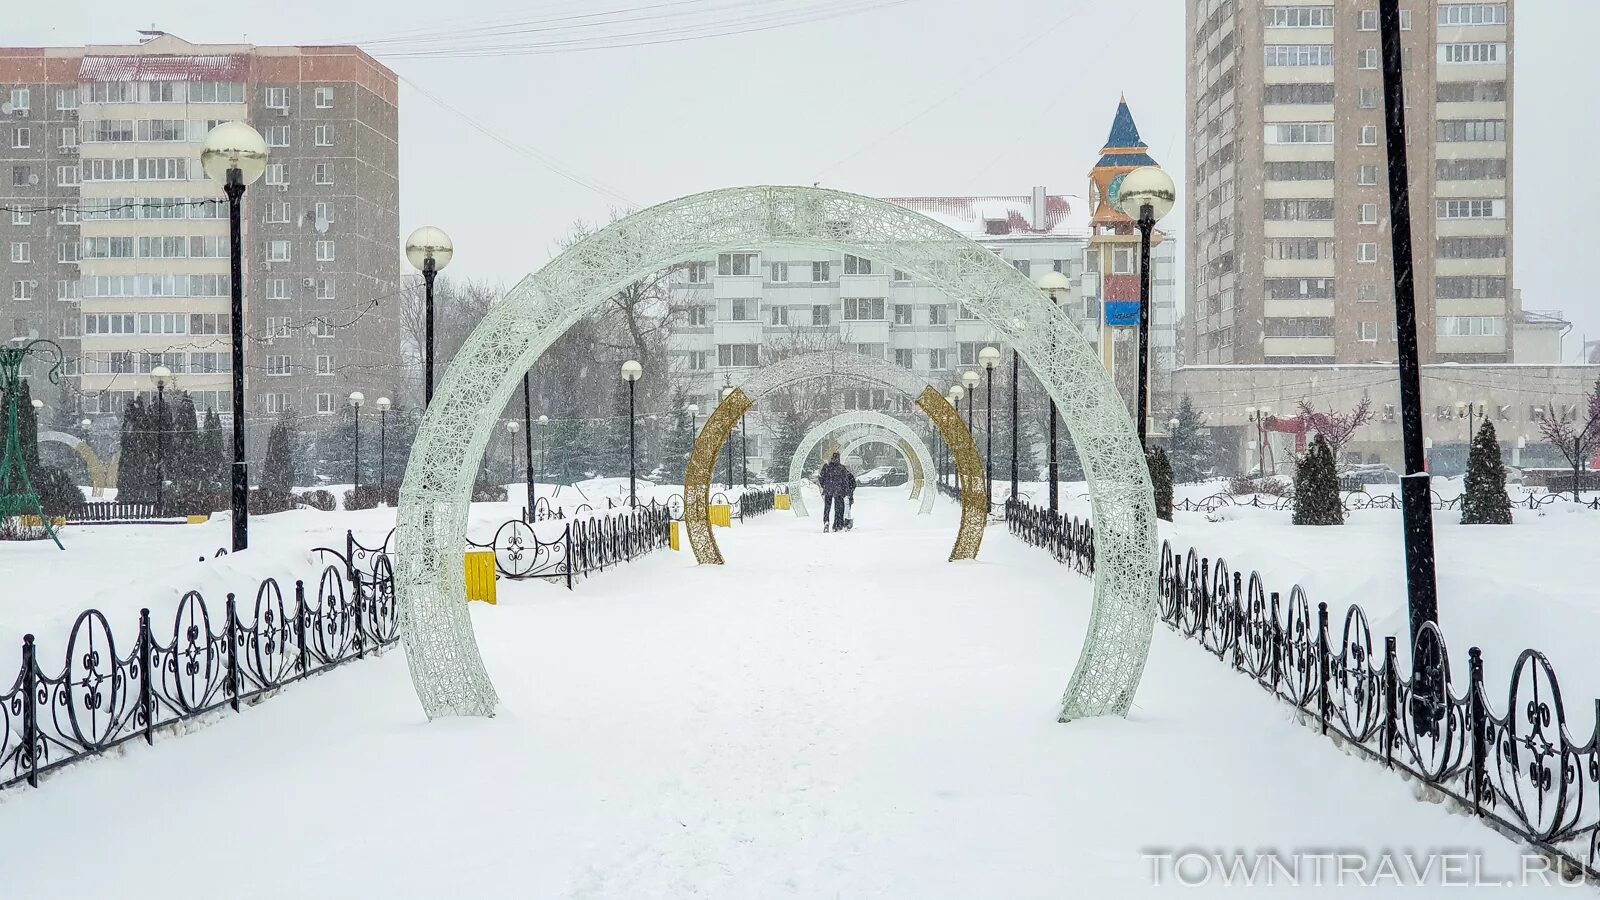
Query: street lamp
x=727 y=392
x=1146 y=196
x=429 y=250
x=969 y=379
x=512 y=427
x=383 y=404
x=234 y=155
x=631 y=372
x=1055 y=284
x=956 y=393
x=1258 y=415
x=356 y=399
x=989 y=357
x=527 y=441
x=544 y=444
x=1467 y=411
x=160 y=375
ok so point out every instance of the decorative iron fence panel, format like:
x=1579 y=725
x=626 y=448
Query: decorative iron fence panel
x=1521 y=770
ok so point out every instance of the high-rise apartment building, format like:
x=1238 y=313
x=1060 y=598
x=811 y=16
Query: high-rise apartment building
x=117 y=242
x=1288 y=207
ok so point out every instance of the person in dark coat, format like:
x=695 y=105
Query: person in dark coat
x=849 y=503
x=835 y=481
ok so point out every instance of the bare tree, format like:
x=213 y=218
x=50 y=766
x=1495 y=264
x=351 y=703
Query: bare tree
x=1576 y=435
x=458 y=307
x=1337 y=428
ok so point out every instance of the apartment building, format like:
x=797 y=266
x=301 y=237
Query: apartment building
x=1288 y=213
x=117 y=245
x=745 y=306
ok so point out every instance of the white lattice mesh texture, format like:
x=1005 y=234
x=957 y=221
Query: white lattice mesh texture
x=856 y=421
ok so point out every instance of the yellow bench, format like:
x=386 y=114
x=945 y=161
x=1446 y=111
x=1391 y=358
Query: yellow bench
x=480 y=576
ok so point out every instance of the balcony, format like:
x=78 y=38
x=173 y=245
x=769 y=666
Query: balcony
x=1297 y=346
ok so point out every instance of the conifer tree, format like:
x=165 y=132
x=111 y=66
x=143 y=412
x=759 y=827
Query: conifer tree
x=568 y=444
x=28 y=427
x=213 y=457
x=1161 y=481
x=1316 y=487
x=277 y=470
x=136 y=461
x=182 y=458
x=679 y=439
x=1485 y=501
x=1190 y=447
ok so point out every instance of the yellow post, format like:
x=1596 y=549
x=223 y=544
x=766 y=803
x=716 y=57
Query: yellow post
x=720 y=514
x=781 y=501
x=198 y=520
x=672 y=534
x=480 y=576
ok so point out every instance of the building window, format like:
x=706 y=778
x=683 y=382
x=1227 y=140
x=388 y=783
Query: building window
x=1471 y=248
x=1471 y=169
x=938 y=360
x=1471 y=326
x=1316 y=210
x=278 y=326
x=780 y=315
x=323 y=173
x=1297 y=288
x=322 y=135
x=21 y=100
x=1367 y=175
x=276 y=403
x=324 y=364
x=1297 y=17
x=1369 y=20
x=21 y=176
x=1367 y=253
x=1369 y=135
x=1472 y=208
x=863 y=309
x=21 y=252
x=69 y=138
x=699 y=360
x=1369 y=98
x=1367 y=293
x=780 y=272
x=1023 y=265
x=279 y=364
x=325 y=288
x=277 y=288
x=277 y=98
x=1368 y=332
x=738 y=355
x=1298 y=248
x=277 y=251
x=22 y=290
x=322 y=213
x=1469 y=287
x=964 y=313
x=819 y=272
x=1472 y=14
x=697 y=316
x=1307 y=170
x=1301 y=326
x=325 y=251
x=967 y=352
x=324 y=401
x=68 y=252
x=697 y=273
x=902 y=314
x=277 y=135
x=820 y=314
x=277 y=173
x=741 y=309
x=1457 y=130
x=322 y=97
x=67 y=98
x=856 y=265
x=1367 y=59
x=1472 y=91
x=21 y=137
x=1472 y=54
x=1299 y=55
x=904 y=358
x=738 y=263
x=902 y=277
x=939 y=314
x=278 y=212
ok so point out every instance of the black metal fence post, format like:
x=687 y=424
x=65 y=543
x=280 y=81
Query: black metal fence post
x=1479 y=716
x=231 y=632
x=300 y=625
x=1391 y=697
x=30 y=712
x=1322 y=664
x=566 y=539
x=146 y=694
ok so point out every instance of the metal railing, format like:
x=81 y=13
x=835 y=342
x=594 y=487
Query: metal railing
x=1520 y=771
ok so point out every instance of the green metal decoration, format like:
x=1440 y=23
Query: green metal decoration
x=17 y=496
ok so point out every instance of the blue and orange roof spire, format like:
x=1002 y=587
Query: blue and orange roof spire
x=1123 y=146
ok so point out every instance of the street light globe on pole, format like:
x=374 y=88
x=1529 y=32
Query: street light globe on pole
x=86 y=423
x=1053 y=283
x=970 y=379
x=428 y=243
x=234 y=145
x=727 y=392
x=383 y=404
x=989 y=357
x=1172 y=424
x=1147 y=185
x=511 y=427
x=632 y=371
x=543 y=421
x=160 y=375
x=357 y=398
x=38 y=404
x=957 y=391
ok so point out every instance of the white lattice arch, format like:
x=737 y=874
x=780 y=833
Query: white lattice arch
x=446 y=666
x=844 y=364
x=856 y=419
x=856 y=442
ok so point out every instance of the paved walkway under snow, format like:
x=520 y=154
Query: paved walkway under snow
x=825 y=716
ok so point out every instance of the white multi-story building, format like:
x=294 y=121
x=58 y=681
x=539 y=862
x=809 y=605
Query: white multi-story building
x=745 y=308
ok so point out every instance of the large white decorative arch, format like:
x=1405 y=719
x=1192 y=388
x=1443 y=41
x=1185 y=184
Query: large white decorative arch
x=914 y=468
x=853 y=419
x=446 y=666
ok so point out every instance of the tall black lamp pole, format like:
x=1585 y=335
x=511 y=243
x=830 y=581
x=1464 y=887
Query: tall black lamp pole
x=234 y=155
x=631 y=371
x=356 y=400
x=527 y=440
x=383 y=404
x=1147 y=194
x=429 y=250
x=1055 y=284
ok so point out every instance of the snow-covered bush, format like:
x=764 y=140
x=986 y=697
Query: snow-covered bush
x=1316 y=487
x=319 y=499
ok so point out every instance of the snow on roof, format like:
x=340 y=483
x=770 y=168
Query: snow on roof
x=1012 y=216
x=138 y=67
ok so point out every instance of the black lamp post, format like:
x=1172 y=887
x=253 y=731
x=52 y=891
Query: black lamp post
x=544 y=444
x=527 y=441
x=969 y=379
x=234 y=155
x=988 y=357
x=631 y=372
x=160 y=375
x=512 y=427
x=429 y=250
x=1055 y=284
x=356 y=400
x=727 y=391
x=383 y=404
x=956 y=393
x=1146 y=196
x=1016 y=431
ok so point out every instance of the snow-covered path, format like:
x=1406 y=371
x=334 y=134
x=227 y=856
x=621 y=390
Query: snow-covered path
x=825 y=716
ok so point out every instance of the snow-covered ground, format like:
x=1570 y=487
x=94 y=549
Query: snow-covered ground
x=828 y=715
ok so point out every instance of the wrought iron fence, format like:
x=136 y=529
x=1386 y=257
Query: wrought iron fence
x=101 y=698
x=110 y=512
x=1355 y=500
x=1519 y=770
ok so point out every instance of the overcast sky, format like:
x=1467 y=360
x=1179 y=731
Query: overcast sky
x=924 y=97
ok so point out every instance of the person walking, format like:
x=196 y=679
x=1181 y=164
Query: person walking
x=835 y=481
x=849 y=500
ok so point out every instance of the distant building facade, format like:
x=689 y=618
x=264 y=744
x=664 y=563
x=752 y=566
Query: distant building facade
x=115 y=252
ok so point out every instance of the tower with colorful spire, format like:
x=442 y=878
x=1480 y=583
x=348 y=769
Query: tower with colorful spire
x=1123 y=152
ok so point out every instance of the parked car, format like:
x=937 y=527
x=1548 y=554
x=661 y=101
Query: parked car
x=882 y=476
x=1357 y=478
